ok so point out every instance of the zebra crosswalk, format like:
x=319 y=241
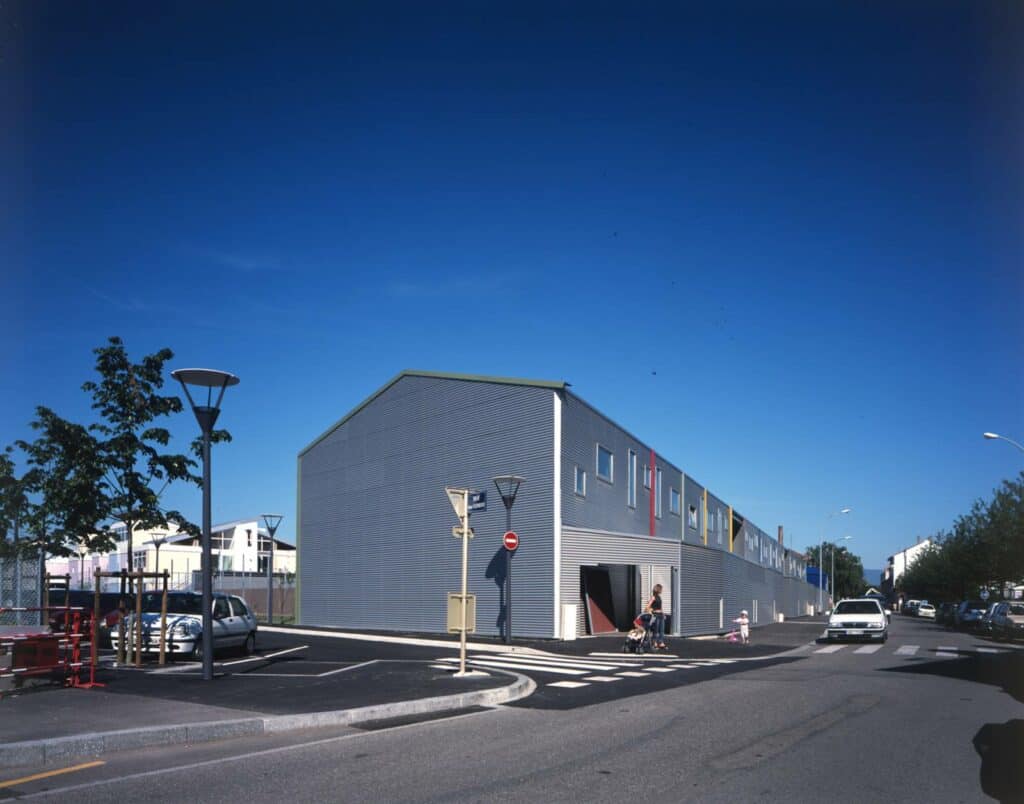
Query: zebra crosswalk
x=597 y=668
x=907 y=651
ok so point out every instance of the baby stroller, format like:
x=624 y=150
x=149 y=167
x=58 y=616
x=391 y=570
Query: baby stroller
x=639 y=639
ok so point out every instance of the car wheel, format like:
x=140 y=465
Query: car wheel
x=250 y=645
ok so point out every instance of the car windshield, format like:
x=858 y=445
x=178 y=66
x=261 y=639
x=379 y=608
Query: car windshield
x=857 y=607
x=176 y=604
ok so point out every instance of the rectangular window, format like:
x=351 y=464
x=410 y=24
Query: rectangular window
x=691 y=517
x=631 y=480
x=720 y=525
x=647 y=476
x=581 y=482
x=657 y=494
x=673 y=501
x=605 y=464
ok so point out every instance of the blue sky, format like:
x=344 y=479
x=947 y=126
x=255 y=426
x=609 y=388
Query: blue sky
x=804 y=218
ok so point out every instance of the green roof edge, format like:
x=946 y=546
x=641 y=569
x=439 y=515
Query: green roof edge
x=555 y=385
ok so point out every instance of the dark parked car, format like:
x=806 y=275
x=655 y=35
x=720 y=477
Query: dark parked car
x=944 y=613
x=968 y=614
x=84 y=601
x=984 y=625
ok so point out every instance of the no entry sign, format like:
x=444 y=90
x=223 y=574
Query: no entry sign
x=510 y=540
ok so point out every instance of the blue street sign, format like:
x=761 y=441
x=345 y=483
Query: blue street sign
x=477 y=501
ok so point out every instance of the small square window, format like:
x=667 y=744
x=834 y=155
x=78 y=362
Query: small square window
x=691 y=517
x=581 y=482
x=673 y=501
x=605 y=464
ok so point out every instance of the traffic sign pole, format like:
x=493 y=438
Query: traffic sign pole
x=465 y=581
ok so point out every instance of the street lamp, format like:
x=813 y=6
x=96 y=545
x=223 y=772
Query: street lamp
x=508 y=488
x=1004 y=438
x=206 y=415
x=832 y=573
x=271 y=521
x=83 y=551
x=821 y=553
x=158 y=542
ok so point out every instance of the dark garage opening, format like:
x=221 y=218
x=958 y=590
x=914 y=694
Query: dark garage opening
x=611 y=597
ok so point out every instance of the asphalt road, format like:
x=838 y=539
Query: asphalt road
x=926 y=717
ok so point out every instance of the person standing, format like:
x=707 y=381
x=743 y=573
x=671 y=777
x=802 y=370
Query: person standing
x=657 y=617
x=744 y=623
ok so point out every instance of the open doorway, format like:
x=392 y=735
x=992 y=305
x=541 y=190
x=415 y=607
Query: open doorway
x=611 y=597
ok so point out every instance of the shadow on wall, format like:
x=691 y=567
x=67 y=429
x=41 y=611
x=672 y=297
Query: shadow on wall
x=496 y=572
x=998 y=744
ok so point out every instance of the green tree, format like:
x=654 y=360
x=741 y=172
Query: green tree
x=62 y=502
x=849 y=571
x=131 y=443
x=13 y=504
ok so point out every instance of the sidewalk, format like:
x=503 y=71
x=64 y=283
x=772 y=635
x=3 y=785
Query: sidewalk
x=52 y=725
x=45 y=726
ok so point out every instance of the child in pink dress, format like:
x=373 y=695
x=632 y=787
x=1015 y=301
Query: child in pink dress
x=744 y=624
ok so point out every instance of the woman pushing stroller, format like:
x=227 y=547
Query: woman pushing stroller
x=657 y=618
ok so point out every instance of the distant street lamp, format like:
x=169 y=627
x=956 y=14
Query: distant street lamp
x=83 y=551
x=508 y=488
x=158 y=542
x=271 y=521
x=832 y=574
x=1004 y=438
x=821 y=553
x=206 y=415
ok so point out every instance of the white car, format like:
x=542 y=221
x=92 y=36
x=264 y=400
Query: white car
x=926 y=610
x=858 y=618
x=234 y=625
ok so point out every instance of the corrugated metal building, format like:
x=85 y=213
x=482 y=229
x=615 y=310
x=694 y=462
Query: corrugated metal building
x=601 y=518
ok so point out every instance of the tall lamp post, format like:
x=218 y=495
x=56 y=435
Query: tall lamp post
x=158 y=542
x=832 y=573
x=271 y=521
x=508 y=488
x=1004 y=438
x=83 y=551
x=206 y=415
x=821 y=553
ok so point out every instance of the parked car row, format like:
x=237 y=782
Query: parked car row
x=999 y=619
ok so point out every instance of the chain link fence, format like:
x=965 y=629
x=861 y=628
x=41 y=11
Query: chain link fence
x=19 y=588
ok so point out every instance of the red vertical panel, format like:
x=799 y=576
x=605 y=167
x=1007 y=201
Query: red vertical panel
x=654 y=487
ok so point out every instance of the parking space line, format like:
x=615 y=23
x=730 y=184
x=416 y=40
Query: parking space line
x=343 y=669
x=264 y=656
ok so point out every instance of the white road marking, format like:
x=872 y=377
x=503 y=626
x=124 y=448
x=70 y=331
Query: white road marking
x=685 y=666
x=568 y=684
x=567 y=662
x=603 y=678
x=565 y=671
x=907 y=650
x=948 y=648
x=941 y=654
x=264 y=656
x=830 y=649
x=660 y=669
x=632 y=674
x=721 y=661
x=988 y=650
x=346 y=669
x=869 y=649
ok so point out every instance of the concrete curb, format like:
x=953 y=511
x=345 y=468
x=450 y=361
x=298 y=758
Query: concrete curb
x=57 y=750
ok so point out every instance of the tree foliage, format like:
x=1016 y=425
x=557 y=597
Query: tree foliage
x=849 y=571
x=983 y=550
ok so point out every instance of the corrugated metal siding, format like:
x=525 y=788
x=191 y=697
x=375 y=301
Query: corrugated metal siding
x=605 y=506
x=588 y=548
x=376 y=524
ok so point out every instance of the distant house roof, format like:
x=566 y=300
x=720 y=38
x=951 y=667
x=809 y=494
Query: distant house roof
x=556 y=385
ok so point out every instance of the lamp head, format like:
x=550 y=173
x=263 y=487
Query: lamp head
x=271 y=521
x=991 y=435
x=508 y=488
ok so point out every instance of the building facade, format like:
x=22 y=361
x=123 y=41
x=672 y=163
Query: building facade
x=601 y=516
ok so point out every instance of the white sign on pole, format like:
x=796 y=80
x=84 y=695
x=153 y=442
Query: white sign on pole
x=457 y=497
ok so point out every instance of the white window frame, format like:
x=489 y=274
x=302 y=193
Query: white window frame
x=692 y=519
x=631 y=480
x=675 y=501
x=611 y=464
x=578 y=473
x=657 y=493
x=647 y=477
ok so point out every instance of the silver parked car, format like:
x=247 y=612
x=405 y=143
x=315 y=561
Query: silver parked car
x=1008 y=620
x=234 y=625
